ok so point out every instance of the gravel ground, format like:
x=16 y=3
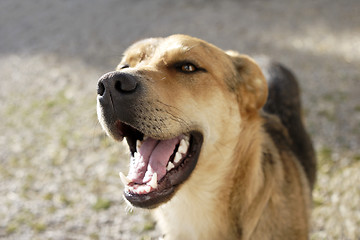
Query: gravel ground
x=59 y=172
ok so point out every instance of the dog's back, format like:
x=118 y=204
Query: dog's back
x=285 y=102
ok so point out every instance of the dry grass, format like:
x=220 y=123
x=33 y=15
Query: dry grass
x=59 y=172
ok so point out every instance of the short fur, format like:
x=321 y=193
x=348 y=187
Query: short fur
x=256 y=169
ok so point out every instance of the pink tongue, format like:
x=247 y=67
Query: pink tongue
x=153 y=158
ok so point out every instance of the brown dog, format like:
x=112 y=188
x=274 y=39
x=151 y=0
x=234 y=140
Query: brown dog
x=212 y=149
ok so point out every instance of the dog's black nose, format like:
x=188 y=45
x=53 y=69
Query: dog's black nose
x=118 y=93
x=117 y=82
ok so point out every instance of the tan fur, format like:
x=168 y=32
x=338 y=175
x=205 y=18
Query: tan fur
x=243 y=187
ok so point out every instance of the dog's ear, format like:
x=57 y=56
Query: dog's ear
x=249 y=83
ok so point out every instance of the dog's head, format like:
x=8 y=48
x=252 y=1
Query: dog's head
x=175 y=100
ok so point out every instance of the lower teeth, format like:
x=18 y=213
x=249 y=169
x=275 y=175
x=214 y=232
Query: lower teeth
x=170 y=166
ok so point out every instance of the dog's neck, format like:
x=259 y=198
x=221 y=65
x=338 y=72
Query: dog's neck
x=198 y=210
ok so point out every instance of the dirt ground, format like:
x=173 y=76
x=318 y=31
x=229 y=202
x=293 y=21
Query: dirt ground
x=59 y=172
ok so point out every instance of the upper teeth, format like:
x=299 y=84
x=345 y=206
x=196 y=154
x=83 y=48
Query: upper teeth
x=186 y=138
x=138 y=145
x=183 y=146
x=178 y=157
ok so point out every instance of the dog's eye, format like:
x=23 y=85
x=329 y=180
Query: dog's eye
x=122 y=66
x=188 y=67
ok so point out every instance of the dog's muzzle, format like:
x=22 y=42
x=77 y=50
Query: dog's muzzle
x=117 y=96
x=161 y=160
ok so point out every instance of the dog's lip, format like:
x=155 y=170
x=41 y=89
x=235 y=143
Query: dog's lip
x=167 y=186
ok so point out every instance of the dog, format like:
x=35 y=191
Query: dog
x=217 y=143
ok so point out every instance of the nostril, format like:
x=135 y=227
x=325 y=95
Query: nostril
x=126 y=84
x=118 y=86
x=101 y=89
x=117 y=82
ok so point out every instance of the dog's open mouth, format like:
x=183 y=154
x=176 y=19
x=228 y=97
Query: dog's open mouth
x=157 y=167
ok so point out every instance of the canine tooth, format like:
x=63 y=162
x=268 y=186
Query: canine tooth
x=178 y=157
x=138 y=145
x=153 y=181
x=124 y=179
x=170 y=166
x=183 y=146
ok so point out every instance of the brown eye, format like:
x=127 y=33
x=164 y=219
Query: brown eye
x=188 y=67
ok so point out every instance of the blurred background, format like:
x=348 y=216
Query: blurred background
x=58 y=170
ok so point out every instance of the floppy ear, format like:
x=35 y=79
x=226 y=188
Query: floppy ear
x=250 y=84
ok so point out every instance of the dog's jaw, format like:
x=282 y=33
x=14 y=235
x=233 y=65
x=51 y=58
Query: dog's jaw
x=158 y=167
